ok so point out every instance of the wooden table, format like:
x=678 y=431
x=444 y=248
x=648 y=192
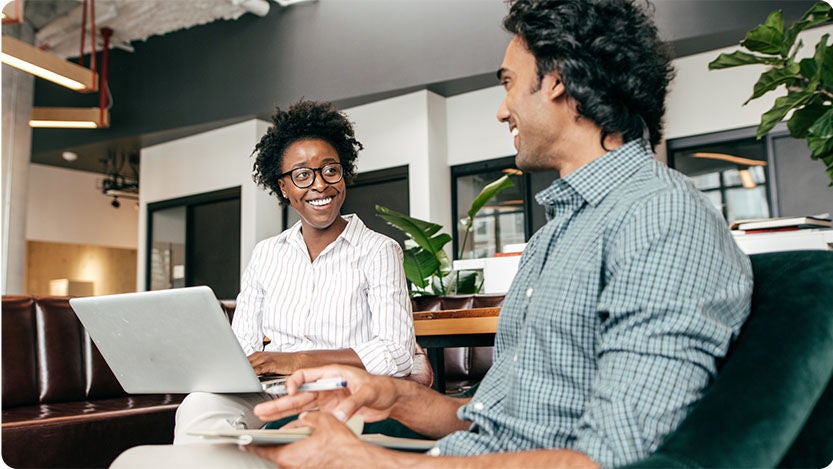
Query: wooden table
x=436 y=330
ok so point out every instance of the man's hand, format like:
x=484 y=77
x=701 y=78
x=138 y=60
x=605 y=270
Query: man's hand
x=372 y=397
x=331 y=444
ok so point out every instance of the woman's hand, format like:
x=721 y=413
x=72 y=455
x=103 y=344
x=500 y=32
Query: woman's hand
x=367 y=395
x=272 y=363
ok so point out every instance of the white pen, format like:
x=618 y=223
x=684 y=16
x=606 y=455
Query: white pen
x=324 y=384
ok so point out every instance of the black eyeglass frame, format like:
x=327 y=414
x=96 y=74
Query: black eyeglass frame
x=314 y=170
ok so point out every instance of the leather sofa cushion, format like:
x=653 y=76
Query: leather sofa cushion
x=20 y=378
x=60 y=352
x=85 y=410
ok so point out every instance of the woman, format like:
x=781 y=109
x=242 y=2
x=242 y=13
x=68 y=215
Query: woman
x=327 y=290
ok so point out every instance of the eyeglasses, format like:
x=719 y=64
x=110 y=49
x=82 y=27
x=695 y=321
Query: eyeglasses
x=331 y=173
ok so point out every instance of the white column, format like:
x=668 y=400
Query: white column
x=18 y=91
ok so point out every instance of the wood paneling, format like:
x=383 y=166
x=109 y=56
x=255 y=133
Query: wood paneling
x=113 y=270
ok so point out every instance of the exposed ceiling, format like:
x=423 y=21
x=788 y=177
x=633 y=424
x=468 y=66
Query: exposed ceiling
x=58 y=22
x=691 y=26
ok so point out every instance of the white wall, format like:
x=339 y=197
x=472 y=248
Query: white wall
x=474 y=134
x=409 y=130
x=67 y=206
x=207 y=162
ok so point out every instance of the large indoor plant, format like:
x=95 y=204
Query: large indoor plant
x=809 y=81
x=427 y=265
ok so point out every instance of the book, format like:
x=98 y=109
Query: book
x=781 y=222
x=280 y=437
x=283 y=436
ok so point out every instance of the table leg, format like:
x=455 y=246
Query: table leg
x=436 y=357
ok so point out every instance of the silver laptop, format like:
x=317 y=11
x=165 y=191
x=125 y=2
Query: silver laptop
x=168 y=341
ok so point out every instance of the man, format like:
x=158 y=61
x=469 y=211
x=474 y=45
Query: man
x=622 y=303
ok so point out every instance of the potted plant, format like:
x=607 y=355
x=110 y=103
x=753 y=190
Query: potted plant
x=809 y=81
x=427 y=265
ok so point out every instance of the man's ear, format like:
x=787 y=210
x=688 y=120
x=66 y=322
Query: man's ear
x=553 y=86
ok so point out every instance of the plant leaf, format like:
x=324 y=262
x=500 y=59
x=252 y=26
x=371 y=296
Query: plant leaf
x=803 y=118
x=820 y=135
x=462 y=282
x=738 y=58
x=492 y=189
x=819 y=13
x=419 y=266
x=418 y=230
x=767 y=38
x=773 y=78
x=782 y=106
x=825 y=62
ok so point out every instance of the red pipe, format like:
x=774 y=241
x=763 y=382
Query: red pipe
x=83 y=32
x=105 y=64
x=92 y=33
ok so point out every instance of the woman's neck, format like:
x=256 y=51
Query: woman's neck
x=318 y=239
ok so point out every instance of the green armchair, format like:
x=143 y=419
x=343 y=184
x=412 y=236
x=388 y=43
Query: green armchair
x=772 y=404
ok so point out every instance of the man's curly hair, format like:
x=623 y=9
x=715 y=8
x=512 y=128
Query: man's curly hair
x=609 y=57
x=304 y=119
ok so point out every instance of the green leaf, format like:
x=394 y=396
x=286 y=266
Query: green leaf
x=772 y=79
x=809 y=68
x=782 y=106
x=820 y=135
x=738 y=58
x=418 y=230
x=492 y=189
x=419 y=266
x=825 y=61
x=805 y=117
x=767 y=38
x=818 y=14
x=463 y=282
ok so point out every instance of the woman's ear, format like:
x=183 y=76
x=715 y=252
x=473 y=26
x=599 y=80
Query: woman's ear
x=282 y=186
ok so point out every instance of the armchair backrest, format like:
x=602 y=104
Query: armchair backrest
x=772 y=402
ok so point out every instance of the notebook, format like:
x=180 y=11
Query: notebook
x=168 y=341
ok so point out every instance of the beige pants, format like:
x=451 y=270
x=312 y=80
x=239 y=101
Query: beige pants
x=208 y=411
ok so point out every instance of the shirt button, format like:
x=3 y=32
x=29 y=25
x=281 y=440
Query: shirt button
x=529 y=292
x=478 y=406
x=435 y=451
x=515 y=358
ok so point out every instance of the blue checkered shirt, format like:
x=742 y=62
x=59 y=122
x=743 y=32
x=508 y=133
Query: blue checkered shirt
x=612 y=327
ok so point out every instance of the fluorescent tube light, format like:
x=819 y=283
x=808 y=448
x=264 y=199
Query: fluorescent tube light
x=69 y=118
x=48 y=66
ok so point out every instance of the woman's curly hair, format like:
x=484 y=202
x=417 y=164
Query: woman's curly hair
x=609 y=56
x=304 y=119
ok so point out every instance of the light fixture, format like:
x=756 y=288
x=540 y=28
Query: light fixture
x=69 y=156
x=48 y=66
x=730 y=158
x=70 y=117
x=746 y=179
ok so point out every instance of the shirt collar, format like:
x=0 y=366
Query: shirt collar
x=351 y=232
x=593 y=181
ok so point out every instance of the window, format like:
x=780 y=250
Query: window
x=731 y=168
x=510 y=218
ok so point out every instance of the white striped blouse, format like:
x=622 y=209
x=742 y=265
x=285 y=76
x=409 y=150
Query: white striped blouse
x=353 y=295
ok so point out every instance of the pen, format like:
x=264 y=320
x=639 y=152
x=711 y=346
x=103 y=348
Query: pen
x=324 y=384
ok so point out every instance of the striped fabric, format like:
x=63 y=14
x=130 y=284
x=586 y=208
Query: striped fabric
x=612 y=327
x=353 y=295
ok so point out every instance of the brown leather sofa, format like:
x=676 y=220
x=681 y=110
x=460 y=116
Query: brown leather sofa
x=62 y=405
x=464 y=366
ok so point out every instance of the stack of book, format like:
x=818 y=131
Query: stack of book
x=769 y=225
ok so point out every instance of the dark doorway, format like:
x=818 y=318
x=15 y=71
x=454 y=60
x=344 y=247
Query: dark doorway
x=385 y=187
x=195 y=240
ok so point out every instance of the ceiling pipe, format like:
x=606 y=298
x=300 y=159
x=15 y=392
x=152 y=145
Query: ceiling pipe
x=258 y=7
